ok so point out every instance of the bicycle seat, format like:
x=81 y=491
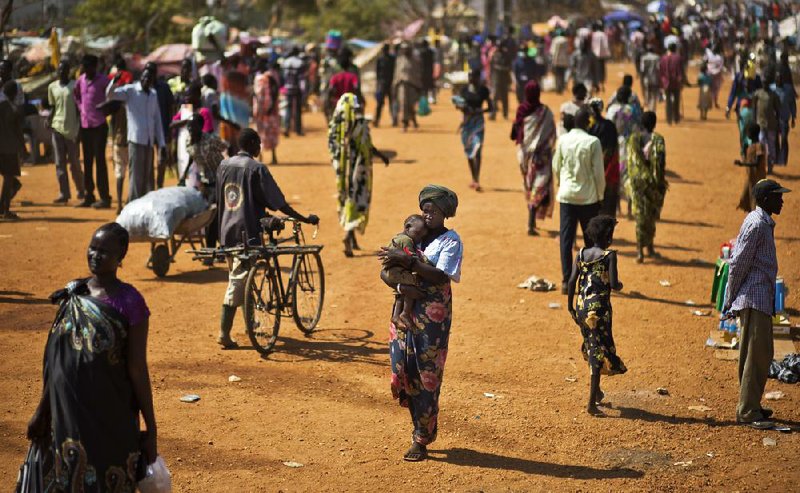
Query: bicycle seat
x=273 y=224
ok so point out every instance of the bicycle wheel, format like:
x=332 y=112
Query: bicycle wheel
x=262 y=314
x=308 y=292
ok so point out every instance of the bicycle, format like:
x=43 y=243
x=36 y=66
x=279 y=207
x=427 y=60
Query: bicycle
x=267 y=297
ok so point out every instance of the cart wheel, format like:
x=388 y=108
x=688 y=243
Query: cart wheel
x=308 y=293
x=160 y=260
x=262 y=314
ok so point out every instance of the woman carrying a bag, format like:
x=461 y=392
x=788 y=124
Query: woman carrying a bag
x=96 y=381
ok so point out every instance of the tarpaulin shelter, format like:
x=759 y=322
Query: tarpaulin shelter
x=168 y=58
x=621 y=16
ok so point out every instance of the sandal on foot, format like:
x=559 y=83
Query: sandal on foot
x=760 y=425
x=417 y=453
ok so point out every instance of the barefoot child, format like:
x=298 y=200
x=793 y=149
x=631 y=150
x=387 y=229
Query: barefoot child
x=595 y=274
x=414 y=231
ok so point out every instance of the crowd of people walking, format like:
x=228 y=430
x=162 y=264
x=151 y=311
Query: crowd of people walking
x=588 y=158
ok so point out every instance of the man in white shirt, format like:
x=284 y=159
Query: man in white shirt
x=601 y=53
x=580 y=175
x=144 y=131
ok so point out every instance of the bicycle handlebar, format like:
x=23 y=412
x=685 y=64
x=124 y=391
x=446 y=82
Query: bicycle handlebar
x=297 y=223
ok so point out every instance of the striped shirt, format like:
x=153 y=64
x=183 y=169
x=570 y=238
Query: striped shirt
x=753 y=266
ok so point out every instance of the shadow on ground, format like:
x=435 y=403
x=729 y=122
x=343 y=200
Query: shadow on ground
x=474 y=458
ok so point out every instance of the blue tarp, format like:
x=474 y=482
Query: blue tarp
x=361 y=44
x=622 y=16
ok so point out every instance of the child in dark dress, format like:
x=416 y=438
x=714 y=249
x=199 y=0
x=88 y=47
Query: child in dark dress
x=595 y=275
x=414 y=231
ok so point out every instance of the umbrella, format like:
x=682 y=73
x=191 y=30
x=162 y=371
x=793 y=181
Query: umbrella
x=656 y=6
x=621 y=16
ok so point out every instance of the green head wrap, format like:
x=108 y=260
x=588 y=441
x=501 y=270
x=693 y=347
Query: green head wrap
x=442 y=197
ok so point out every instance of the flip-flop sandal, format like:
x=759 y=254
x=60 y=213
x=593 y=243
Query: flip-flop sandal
x=416 y=456
x=760 y=425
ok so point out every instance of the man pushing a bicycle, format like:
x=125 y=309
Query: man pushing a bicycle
x=245 y=189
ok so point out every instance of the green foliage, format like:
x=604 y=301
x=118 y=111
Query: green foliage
x=129 y=21
x=367 y=19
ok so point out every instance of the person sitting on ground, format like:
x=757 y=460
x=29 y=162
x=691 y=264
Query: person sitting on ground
x=756 y=163
x=414 y=231
x=594 y=274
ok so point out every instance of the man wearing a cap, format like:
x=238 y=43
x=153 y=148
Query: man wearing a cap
x=751 y=295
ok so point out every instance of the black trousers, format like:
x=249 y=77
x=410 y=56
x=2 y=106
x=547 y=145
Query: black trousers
x=610 y=201
x=93 y=142
x=380 y=97
x=673 y=105
x=295 y=112
x=571 y=215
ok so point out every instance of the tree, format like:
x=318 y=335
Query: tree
x=354 y=18
x=142 y=24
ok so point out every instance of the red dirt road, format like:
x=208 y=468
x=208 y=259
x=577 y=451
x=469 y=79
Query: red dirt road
x=324 y=401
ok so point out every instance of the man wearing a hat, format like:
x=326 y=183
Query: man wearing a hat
x=751 y=295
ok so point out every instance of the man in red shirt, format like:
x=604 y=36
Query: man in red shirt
x=345 y=81
x=671 y=73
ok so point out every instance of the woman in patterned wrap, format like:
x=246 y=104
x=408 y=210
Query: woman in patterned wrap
x=647 y=183
x=418 y=353
x=534 y=131
x=96 y=381
x=351 y=151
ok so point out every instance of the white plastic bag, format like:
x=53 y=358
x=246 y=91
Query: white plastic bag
x=158 y=213
x=157 y=478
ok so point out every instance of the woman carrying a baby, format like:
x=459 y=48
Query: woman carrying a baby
x=418 y=337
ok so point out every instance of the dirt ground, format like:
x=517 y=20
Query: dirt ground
x=324 y=400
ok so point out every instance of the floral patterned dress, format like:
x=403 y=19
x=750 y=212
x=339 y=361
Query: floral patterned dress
x=418 y=354
x=594 y=315
x=265 y=110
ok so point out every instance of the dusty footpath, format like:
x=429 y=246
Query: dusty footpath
x=324 y=402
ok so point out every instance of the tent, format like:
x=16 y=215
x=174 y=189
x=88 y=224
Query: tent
x=169 y=57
